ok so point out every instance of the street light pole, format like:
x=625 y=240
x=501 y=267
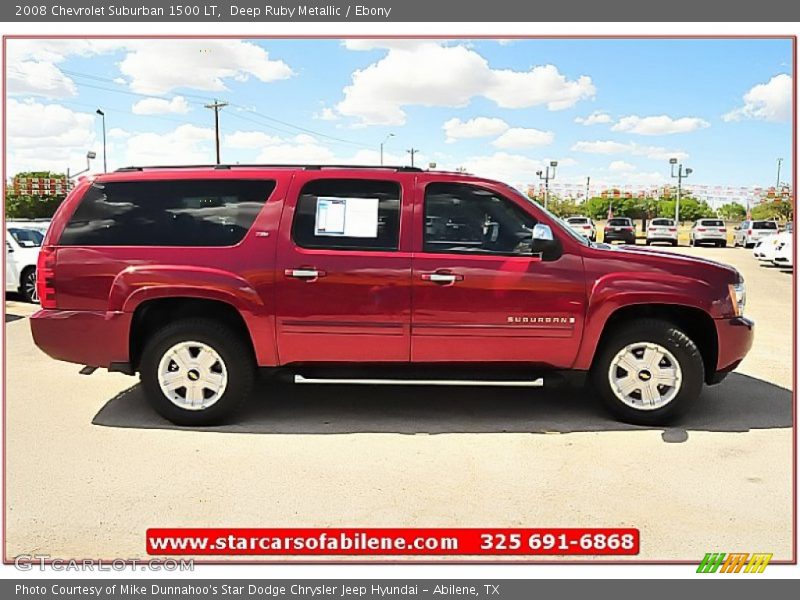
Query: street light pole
x=103 y=116
x=391 y=135
x=586 y=198
x=547 y=176
x=682 y=173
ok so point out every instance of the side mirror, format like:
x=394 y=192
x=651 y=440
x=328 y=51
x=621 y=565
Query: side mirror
x=544 y=243
x=9 y=248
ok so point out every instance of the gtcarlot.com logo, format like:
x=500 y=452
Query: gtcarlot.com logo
x=735 y=562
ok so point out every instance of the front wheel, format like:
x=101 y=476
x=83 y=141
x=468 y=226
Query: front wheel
x=649 y=372
x=197 y=372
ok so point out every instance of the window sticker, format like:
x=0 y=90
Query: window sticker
x=347 y=217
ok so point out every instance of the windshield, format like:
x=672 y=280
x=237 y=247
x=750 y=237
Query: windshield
x=662 y=222
x=712 y=223
x=578 y=221
x=619 y=221
x=26 y=237
x=557 y=222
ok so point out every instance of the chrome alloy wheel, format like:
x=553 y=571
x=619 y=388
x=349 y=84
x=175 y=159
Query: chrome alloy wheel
x=29 y=286
x=645 y=376
x=192 y=375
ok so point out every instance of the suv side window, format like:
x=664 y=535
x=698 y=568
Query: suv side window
x=348 y=214
x=462 y=218
x=191 y=212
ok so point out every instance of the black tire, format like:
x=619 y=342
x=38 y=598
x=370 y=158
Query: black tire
x=235 y=352
x=670 y=338
x=674 y=244
x=27 y=285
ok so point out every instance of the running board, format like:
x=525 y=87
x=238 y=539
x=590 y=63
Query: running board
x=471 y=382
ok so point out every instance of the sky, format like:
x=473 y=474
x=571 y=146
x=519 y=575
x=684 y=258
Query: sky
x=611 y=110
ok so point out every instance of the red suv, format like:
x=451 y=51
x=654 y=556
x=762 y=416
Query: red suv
x=196 y=276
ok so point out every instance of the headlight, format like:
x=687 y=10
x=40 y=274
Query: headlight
x=738 y=296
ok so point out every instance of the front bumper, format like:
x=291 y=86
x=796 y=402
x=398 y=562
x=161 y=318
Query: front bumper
x=734 y=340
x=94 y=338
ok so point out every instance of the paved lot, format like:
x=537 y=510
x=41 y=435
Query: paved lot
x=89 y=466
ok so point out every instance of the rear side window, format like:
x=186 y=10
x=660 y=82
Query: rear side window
x=765 y=225
x=348 y=214
x=207 y=212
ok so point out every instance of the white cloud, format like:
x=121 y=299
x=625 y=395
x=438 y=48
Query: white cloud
x=249 y=139
x=118 y=133
x=47 y=136
x=430 y=74
x=159 y=66
x=186 y=144
x=514 y=169
x=149 y=66
x=596 y=118
x=771 y=101
x=621 y=166
x=659 y=125
x=326 y=114
x=456 y=129
x=34 y=78
x=612 y=147
x=519 y=137
x=161 y=106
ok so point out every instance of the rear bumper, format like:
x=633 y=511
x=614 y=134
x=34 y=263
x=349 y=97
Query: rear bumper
x=93 y=338
x=734 y=338
x=619 y=237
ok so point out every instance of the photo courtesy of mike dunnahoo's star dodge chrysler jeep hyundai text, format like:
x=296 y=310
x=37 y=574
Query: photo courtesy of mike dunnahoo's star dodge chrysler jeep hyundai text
x=196 y=277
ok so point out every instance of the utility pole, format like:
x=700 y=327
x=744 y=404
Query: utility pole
x=680 y=175
x=778 y=179
x=412 y=151
x=547 y=176
x=216 y=106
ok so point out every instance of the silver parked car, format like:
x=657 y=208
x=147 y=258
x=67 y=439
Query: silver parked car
x=662 y=231
x=709 y=231
x=749 y=233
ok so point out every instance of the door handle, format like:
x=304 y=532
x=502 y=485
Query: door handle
x=442 y=277
x=305 y=273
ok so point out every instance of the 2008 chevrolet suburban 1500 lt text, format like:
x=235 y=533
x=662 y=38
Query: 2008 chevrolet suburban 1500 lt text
x=195 y=276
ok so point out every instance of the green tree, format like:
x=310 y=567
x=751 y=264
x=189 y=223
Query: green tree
x=733 y=211
x=781 y=210
x=27 y=206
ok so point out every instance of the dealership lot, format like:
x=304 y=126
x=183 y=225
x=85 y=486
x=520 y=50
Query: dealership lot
x=89 y=466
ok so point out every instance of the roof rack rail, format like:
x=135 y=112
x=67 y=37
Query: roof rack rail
x=269 y=166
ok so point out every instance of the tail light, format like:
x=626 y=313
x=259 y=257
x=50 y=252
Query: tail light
x=45 y=277
x=749 y=232
x=673 y=229
x=701 y=229
x=723 y=230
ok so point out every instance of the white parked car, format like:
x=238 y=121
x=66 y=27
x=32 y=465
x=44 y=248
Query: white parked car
x=663 y=231
x=584 y=226
x=749 y=233
x=22 y=251
x=784 y=253
x=709 y=231
x=765 y=248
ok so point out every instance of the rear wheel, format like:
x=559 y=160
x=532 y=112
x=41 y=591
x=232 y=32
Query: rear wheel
x=675 y=243
x=27 y=285
x=196 y=372
x=649 y=372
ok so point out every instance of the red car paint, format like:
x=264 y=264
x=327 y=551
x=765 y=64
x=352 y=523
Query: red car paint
x=371 y=306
